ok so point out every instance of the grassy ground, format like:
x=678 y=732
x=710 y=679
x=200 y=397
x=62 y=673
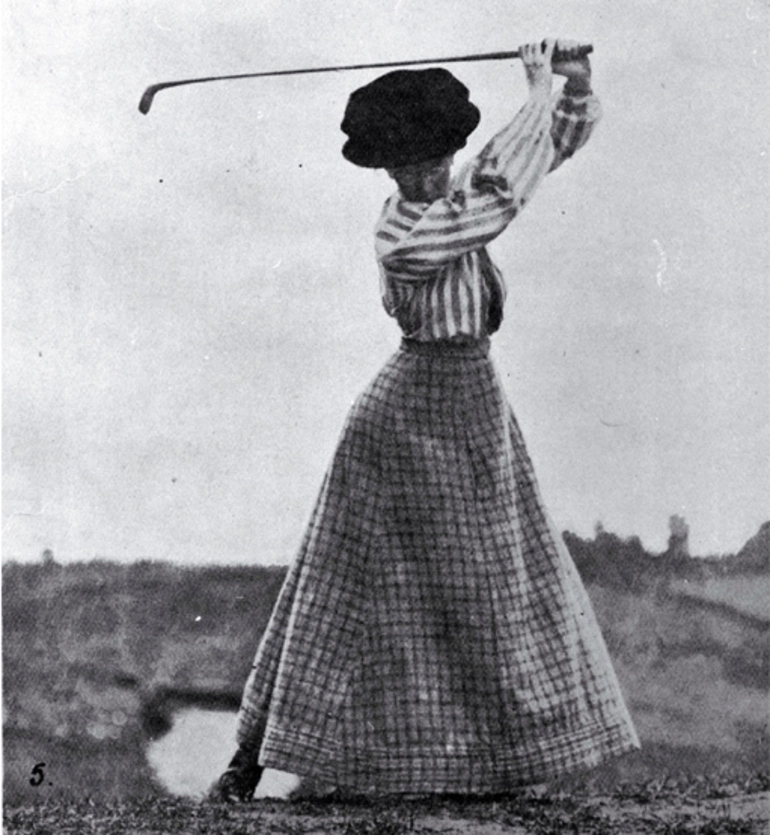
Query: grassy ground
x=86 y=648
x=662 y=808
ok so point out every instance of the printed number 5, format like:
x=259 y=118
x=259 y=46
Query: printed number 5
x=39 y=775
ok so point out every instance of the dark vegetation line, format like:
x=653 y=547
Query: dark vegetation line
x=608 y=559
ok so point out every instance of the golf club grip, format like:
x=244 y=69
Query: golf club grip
x=583 y=51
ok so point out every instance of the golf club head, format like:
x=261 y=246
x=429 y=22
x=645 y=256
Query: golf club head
x=145 y=103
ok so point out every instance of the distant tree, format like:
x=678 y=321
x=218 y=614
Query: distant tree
x=755 y=554
x=47 y=557
x=678 y=544
x=610 y=561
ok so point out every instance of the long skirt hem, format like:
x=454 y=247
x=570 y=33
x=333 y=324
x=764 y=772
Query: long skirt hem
x=433 y=634
x=488 y=769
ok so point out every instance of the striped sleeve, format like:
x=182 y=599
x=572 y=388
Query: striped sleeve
x=413 y=241
x=573 y=121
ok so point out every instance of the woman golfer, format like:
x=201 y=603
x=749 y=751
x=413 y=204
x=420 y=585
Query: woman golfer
x=433 y=634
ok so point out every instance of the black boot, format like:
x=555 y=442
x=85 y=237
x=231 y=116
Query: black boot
x=239 y=781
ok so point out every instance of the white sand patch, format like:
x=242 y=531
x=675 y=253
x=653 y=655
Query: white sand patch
x=188 y=760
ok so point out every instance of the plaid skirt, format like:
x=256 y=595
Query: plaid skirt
x=433 y=634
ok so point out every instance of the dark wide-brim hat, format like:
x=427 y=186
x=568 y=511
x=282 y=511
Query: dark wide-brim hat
x=406 y=117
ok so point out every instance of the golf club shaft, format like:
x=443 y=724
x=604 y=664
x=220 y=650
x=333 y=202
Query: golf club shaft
x=146 y=100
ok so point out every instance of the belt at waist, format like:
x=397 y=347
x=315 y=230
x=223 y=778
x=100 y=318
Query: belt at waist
x=472 y=348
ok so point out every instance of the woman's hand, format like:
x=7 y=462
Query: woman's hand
x=569 y=64
x=537 y=66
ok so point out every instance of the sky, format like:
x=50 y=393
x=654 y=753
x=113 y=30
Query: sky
x=190 y=298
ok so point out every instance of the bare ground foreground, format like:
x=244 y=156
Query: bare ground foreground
x=641 y=812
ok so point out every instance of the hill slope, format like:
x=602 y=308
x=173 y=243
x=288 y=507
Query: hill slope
x=94 y=653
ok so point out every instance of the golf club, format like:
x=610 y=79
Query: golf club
x=149 y=94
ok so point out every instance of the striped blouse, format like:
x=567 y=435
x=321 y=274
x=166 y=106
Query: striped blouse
x=437 y=278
